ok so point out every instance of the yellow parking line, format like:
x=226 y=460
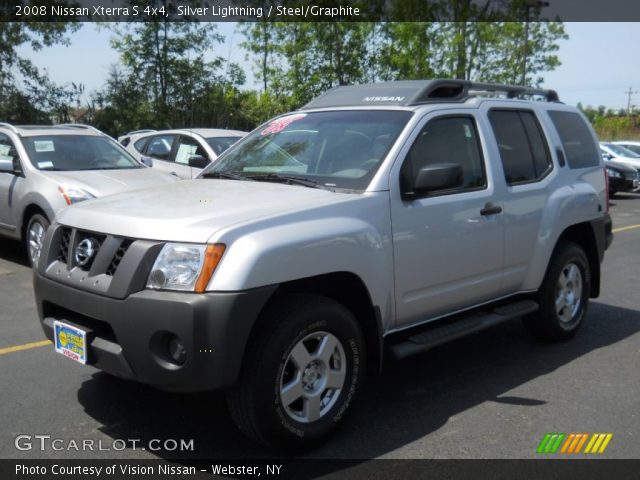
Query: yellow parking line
x=25 y=346
x=623 y=229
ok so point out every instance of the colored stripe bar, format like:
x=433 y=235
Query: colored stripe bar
x=557 y=443
x=543 y=443
x=605 y=443
x=582 y=440
x=567 y=442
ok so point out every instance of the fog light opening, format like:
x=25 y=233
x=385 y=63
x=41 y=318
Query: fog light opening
x=177 y=350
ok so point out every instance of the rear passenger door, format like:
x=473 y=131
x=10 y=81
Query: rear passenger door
x=448 y=245
x=527 y=167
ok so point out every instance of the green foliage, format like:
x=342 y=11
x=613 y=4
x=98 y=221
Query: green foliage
x=26 y=94
x=612 y=125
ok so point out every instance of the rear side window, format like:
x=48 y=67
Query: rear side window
x=160 y=146
x=140 y=144
x=579 y=146
x=523 y=149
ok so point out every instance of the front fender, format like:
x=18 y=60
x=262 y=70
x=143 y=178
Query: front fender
x=283 y=251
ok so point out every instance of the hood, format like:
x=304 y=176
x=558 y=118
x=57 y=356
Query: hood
x=634 y=162
x=192 y=210
x=622 y=167
x=106 y=182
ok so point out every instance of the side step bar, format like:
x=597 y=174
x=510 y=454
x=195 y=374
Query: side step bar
x=471 y=323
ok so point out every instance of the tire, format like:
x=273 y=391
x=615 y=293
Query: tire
x=33 y=237
x=290 y=349
x=561 y=311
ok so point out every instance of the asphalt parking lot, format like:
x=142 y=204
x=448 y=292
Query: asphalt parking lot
x=492 y=395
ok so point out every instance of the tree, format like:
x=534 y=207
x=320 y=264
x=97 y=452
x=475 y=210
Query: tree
x=26 y=95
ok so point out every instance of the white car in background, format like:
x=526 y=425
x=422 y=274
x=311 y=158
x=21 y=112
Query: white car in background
x=184 y=152
x=612 y=151
x=632 y=145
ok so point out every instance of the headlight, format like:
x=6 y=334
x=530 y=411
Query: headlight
x=185 y=266
x=613 y=173
x=74 y=194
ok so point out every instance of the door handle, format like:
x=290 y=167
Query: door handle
x=491 y=209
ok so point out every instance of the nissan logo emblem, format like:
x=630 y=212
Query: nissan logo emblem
x=85 y=251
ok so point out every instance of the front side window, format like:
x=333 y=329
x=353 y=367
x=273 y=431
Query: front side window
x=523 y=149
x=8 y=152
x=337 y=150
x=140 y=144
x=446 y=140
x=577 y=141
x=187 y=148
x=77 y=152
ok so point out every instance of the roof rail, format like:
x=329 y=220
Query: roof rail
x=80 y=125
x=418 y=92
x=9 y=126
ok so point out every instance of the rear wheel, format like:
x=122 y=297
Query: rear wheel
x=563 y=296
x=34 y=236
x=303 y=367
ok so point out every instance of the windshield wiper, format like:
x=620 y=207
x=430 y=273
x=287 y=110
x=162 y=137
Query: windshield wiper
x=225 y=175
x=288 y=179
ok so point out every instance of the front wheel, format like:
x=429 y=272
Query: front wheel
x=563 y=296
x=34 y=236
x=302 y=369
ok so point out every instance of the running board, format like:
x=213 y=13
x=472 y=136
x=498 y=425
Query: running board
x=471 y=323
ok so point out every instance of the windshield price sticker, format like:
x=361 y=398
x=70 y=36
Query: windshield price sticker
x=281 y=123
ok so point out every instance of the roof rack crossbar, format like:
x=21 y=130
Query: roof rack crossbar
x=513 y=91
x=9 y=126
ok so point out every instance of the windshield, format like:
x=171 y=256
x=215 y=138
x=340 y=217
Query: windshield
x=634 y=148
x=77 y=152
x=220 y=144
x=341 y=149
x=622 y=151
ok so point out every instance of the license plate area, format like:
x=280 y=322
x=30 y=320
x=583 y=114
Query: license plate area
x=71 y=341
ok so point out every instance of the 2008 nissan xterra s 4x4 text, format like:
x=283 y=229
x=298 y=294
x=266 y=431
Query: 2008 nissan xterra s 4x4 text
x=377 y=221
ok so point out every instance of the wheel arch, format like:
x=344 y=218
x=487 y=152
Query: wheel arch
x=30 y=210
x=349 y=290
x=583 y=235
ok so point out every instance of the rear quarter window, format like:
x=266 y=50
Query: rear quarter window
x=577 y=141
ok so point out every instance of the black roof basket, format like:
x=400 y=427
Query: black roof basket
x=418 y=92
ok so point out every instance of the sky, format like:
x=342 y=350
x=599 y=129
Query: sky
x=599 y=61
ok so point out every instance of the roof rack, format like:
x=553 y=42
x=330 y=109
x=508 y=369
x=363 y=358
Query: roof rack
x=418 y=92
x=9 y=126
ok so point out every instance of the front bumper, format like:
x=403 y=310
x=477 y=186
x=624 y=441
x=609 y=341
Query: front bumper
x=128 y=337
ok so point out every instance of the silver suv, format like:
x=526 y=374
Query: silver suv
x=377 y=221
x=43 y=169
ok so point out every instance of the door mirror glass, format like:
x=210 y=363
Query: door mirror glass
x=198 y=161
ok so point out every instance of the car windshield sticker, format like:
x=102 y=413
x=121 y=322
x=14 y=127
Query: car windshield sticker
x=44 y=146
x=4 y=149
x=45 y=164
x=281 y=123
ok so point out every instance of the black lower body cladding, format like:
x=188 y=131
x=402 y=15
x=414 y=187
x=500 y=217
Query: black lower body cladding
x=132 y=338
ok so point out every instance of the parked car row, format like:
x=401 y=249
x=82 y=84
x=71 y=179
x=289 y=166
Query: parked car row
x=623 y=165
x=43 y=169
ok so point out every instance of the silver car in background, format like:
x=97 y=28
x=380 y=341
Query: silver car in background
x=43 y=169
x=183 y=152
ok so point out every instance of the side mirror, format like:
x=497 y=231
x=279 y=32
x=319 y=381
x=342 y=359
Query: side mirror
x=7 y=166
x=607 y=156
x=440 y=176
x=147 y=161
x=198 y=161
